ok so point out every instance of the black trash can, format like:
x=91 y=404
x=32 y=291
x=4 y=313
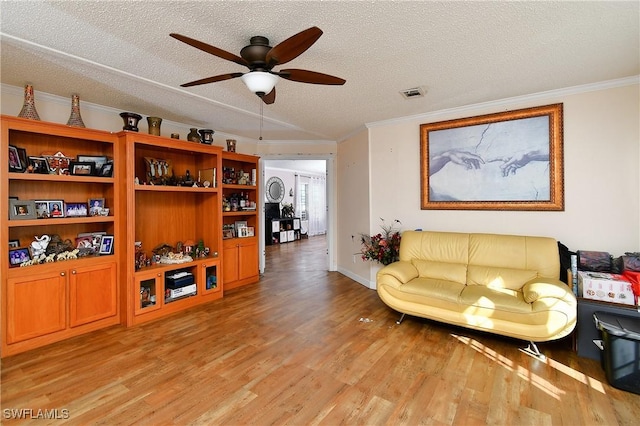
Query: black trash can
x=621 y=349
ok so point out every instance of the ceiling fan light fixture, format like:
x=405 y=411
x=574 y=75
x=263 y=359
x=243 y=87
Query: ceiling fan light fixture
x=260 y=81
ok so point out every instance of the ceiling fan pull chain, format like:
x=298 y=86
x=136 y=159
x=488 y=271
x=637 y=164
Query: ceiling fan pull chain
x=261 y=117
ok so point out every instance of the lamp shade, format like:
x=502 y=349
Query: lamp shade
x=259 y=81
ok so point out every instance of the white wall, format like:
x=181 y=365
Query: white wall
x=602 y=181
x=288 y=178
x=354 y=203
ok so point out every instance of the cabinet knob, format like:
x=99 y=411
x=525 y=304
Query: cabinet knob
x=73 y=272
x=158 y=274
x=62 y=274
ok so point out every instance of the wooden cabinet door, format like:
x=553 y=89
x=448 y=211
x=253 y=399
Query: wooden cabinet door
x=208 y=277
x=92 y=293
x=149 y=292
x=247 y=260
x=35 y=306
x=230 y=263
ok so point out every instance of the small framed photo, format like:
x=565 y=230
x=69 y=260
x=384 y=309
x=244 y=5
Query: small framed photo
x=240 y=224
x=82 y=168
x=15 y=164
x=86 y=242
x=39 y=165
x=56 y=208
x=226 y=234
x=76 y=209
x=106 y=244
x=18 y=255
x=106 y=170
x=24 y=159
x=22 y=209
x=97 y=160
x=42 y=209
x=14 y=243
x=243 y=232
x=96 y=205
x=96 y=238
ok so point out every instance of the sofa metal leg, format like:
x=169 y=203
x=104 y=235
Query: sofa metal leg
x=533 y=350
x=401 y=318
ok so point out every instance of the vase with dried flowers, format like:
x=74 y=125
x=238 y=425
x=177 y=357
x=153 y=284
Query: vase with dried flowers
x=383 y=247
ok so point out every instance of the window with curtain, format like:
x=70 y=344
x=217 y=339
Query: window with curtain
x=304 y=201
x=311 y=203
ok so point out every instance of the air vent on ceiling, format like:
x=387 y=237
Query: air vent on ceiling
x=414 y=92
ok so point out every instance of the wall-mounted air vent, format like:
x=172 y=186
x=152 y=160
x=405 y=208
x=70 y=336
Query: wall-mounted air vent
x=414 y=92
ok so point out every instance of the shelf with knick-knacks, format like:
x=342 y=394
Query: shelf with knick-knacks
x=239 y=188
x=173 y=199
x=240 y=191
x=65 y=283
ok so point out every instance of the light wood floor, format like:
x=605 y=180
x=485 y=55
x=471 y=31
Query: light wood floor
x=304 y=347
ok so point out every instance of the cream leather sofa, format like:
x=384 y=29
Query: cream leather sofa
x=503 y=284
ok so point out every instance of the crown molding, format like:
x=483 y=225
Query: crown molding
x=501 y=103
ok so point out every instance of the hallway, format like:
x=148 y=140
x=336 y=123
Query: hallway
x=308 y=254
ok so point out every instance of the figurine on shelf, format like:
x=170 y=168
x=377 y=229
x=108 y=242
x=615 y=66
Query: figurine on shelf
x=140 y=256
x=39 y=246
x=162 y=249
x=188 y=180
x=200 y=251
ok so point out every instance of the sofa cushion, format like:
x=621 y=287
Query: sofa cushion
x=515 y=252
x=441 y=270
x=499 y=300
x=448 y=247
x=432 y=289
x=495 y=277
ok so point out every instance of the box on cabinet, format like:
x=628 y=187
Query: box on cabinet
x=606 y=287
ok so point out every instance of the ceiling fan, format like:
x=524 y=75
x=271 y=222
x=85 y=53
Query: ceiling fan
x=260 y=58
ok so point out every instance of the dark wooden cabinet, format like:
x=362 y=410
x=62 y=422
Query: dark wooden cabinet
x=283 y=230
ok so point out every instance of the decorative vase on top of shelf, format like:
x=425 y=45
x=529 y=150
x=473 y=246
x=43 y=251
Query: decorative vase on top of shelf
x=75 y=119
x=207 y=136
x=154 y=125
x=130 y=120
x=193 y=135
x=29 y=105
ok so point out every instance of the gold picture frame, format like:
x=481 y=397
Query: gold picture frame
x=510 y=160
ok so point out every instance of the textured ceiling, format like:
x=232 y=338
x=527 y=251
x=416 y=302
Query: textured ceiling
x=119 y=54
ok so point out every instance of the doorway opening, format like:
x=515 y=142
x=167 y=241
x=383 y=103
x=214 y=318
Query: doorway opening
x=307 y=187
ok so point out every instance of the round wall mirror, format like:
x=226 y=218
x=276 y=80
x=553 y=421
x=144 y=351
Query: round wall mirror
x=275 y=189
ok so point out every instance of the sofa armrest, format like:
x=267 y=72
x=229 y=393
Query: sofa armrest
x=541 y=287
x=402 y=271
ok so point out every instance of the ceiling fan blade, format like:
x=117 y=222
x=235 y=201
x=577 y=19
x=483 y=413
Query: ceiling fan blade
x=292 y=47
x=213 y=79
x=304 y=76
x=210 y=49
x=270 y=97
